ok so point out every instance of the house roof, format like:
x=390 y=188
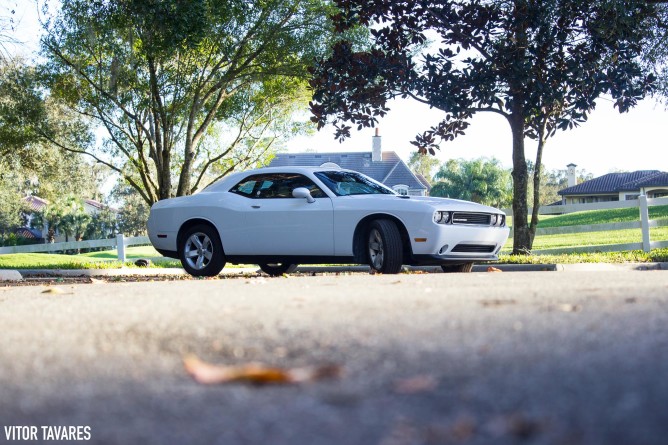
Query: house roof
x=35 y=203
x=424 y=181
x=618 y=182
x=391 y=171
x=28 y=233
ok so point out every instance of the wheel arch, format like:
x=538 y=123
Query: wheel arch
x=362 y=228
x=191 y=223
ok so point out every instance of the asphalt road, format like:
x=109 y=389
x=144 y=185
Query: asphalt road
x=503 y=358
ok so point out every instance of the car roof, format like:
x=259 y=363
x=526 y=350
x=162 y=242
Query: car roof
x=224 y=182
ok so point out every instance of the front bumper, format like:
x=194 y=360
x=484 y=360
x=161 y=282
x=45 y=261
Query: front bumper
x=458 y=243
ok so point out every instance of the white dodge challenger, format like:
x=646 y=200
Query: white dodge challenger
x=281 y=217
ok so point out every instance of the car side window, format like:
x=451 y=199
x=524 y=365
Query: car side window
x=277 y=185
x=245 y=187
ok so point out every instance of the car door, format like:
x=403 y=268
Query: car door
x=279 y=224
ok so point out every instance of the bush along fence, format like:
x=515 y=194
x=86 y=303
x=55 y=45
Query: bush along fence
x=119 y=243
x=644 y=223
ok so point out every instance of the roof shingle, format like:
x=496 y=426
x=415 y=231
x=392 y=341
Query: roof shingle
x=618 y=182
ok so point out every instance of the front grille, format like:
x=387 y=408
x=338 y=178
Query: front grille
x=473 y=248
x=482 y=219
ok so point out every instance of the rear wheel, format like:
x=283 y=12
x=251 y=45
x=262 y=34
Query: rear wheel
x=277 y=269
x=449 y=268
x=201 y=251
x=384 y=247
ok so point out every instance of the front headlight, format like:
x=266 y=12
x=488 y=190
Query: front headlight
x=493 y=219
x=498 y=220
x=441 y=217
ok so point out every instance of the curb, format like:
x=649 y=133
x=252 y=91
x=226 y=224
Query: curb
x=122 y=272
x=17 y=275
x=10 y=275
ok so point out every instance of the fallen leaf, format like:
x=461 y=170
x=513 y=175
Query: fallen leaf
x=256 y=373
x=487 y=303
x=96 y=281
x=570 y=307
x=493 y=269
x=416 y=384
x=53 y=290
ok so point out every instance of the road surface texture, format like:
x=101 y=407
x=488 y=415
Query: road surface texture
x=481 y=358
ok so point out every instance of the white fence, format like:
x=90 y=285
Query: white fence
x=643 y=223
x=120 y=243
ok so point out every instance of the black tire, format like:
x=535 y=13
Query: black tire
x=463 y=268
x=277 y=269
x=384 y=247
x=201 y=251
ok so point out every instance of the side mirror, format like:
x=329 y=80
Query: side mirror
x=303 y=192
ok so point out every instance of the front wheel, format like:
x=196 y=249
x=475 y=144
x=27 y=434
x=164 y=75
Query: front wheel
x=384 y=247
x=449 y=268
x=277 y=269
x=201 y=251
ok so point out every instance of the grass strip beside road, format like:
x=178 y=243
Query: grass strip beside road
x=107 y=259
x=631 y=256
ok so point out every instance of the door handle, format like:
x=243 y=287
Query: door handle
x=255 y=206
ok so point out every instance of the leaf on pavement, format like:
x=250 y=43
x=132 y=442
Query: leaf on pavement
x=570 y=307
x=416 y=384
x=497 y=302
x=493 y=269
x=256 y=373
x=96 y=281
x=54 y=291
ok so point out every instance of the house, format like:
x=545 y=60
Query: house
x=383 y=166
x=615 y=187
x=35 y=204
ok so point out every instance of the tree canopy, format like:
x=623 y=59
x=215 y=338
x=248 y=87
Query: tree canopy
x=540 y=65
x=185 y=91
x=480 y=180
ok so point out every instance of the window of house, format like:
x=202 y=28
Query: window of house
x=631 y=197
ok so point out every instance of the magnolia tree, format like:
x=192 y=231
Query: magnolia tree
x=540 y=65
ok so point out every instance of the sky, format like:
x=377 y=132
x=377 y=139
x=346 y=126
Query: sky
x=607 y=142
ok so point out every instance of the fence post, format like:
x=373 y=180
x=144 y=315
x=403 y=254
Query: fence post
x=120 y=247
x=644 y=222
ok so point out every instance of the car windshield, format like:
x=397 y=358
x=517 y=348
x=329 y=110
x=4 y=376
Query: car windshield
x=344 y=183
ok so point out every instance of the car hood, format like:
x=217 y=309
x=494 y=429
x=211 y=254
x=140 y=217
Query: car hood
x=455 y=204
x=429 y=201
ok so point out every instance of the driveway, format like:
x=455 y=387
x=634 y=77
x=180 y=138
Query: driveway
x=503 y=358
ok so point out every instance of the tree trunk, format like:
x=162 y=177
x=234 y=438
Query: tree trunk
x=536 y=185
x=521 y=233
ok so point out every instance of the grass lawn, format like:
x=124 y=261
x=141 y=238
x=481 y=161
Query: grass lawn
x=632 y=256
x=130 y=252
x=600 y=217
x=592 y=238
x=94 y=260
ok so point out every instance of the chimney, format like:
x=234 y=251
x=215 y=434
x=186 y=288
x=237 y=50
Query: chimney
x=572 y=179
x=376 y=151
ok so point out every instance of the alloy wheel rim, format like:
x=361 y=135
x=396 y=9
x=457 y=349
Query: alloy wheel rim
x=198 y=251
x=376 y=251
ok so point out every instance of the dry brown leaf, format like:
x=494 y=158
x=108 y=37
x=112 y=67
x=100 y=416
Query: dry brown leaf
x=570 y=307
x=54 y=291
x=487 y=303
x=256 y=373
x=493 y=269
x=416 y=384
